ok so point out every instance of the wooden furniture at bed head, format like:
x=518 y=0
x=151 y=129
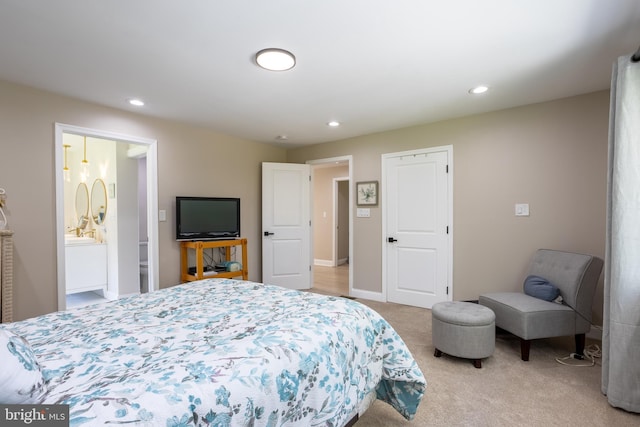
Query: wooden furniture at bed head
x=199 y=247
x=6 y=276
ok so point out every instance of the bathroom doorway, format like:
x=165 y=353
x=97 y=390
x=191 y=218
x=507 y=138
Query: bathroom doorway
x=128 y=241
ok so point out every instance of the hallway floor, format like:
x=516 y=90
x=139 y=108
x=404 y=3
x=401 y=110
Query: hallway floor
x=331 y=280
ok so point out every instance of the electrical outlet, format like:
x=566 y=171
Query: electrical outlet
x=522 y=209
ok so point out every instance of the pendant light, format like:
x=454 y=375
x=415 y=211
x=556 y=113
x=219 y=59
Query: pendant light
x=84 y=172
x=66 y=173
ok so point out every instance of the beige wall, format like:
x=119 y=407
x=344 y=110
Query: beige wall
x=191 y=161
x=323 y=210
x=551 y=155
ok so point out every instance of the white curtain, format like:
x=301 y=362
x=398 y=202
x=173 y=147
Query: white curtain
x=621 y=325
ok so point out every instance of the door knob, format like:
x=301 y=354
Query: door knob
x=266 y=233
x=391 y=240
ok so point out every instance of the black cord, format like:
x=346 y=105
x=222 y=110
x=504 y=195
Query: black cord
x=208 y=258
x=223 y=254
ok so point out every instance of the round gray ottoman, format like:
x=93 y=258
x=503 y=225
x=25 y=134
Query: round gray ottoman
x=463 y=329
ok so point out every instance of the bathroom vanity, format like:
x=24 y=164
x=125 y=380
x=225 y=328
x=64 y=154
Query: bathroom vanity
x=85 y=257
x=85 y=265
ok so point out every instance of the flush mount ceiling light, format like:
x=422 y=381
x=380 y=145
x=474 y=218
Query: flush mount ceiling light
x=478 y=90
x=136 y=102
x=333 y=123
x=274 y=59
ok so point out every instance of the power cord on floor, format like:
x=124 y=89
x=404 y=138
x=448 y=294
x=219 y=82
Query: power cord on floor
x=590 y=353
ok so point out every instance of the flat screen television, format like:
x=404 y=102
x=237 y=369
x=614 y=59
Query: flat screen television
x=207 y=218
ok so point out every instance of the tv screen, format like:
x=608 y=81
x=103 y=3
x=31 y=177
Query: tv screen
x=207 y=218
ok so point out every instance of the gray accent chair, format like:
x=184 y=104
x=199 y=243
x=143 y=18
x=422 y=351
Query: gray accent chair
x=529 y=318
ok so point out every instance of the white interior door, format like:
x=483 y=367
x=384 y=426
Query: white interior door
x=286 y=225
x=417 y=206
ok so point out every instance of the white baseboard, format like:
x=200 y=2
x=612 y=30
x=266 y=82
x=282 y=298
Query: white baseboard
x=328 y=262
x=595 y=333
x=373 y=296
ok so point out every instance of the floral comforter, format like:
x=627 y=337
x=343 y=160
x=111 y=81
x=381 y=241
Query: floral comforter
x=223 y=353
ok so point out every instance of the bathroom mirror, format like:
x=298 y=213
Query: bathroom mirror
x=82 y=205
x=99 y=201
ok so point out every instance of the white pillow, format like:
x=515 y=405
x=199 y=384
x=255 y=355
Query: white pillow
x=21 y=379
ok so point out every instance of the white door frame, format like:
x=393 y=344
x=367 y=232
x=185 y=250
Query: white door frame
x=349 y=160
x=383 y=205
x=152 y=199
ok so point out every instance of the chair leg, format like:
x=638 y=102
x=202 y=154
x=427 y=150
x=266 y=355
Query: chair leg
x=580 y=342
x=525 y=346
x=477 y=363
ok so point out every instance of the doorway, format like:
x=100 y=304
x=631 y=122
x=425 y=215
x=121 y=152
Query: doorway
x=332 y=225
x=135 y=147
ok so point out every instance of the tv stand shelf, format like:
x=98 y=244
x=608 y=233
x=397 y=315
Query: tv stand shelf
x=199 y=246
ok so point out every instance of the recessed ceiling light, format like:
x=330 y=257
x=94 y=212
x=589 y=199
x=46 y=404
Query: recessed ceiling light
x=136 y=102
x=478 y=90
x=333 y=123
x=274 y=59
x=282 y=137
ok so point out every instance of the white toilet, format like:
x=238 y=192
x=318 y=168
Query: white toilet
x=144 y=267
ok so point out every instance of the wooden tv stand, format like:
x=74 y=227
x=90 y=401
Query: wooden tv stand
x=199 y=246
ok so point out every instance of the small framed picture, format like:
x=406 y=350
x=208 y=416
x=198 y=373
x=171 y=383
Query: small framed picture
x=367 y=193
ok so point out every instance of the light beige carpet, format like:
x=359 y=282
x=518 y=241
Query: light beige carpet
x=505 y=392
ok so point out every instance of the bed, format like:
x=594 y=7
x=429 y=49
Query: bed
x=216 y=352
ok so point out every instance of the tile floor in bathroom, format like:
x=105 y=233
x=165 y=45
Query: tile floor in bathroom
x=84 y=298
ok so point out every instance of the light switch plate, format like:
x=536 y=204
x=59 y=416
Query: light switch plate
x=162 y=215
x=363 y=213
x=522 y=209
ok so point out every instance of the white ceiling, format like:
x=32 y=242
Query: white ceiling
x=373 y=65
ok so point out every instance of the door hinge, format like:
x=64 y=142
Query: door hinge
x=447 y=169
x=309 y=223
x=309 y=178
x=309 y=268
x=447 y=290
x=447 y=229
